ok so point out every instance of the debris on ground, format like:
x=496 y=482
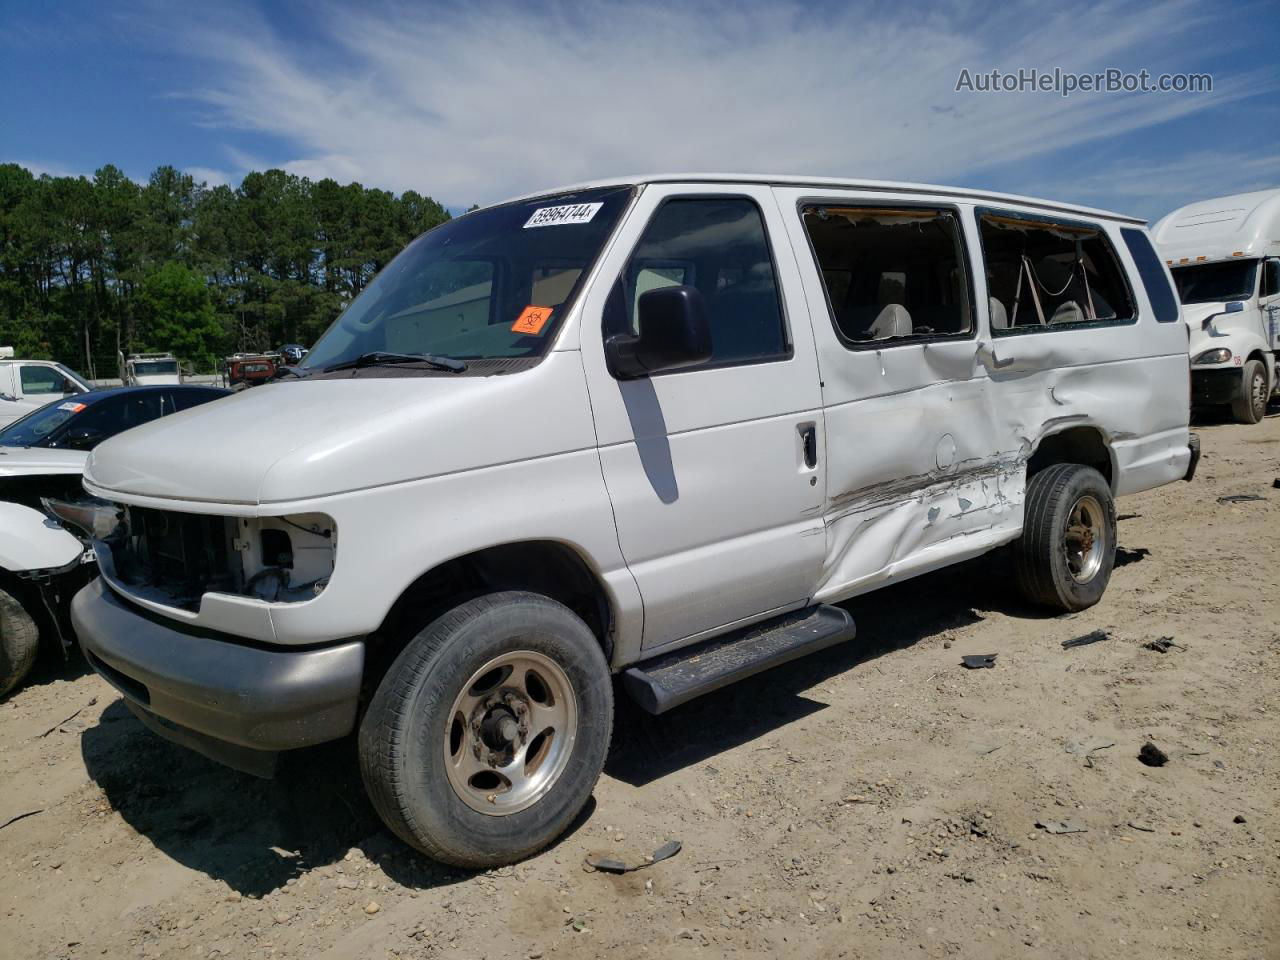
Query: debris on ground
x=1162 y=645
x=1060 y=826
x=1144 y=827
x=609 y=865
x=1093 y=636
x=21 y=816
x=979 y=661
x=1087 y=748
x=1240 y=498
x=1239 y=818
x=60 y=723
x=1152 y=755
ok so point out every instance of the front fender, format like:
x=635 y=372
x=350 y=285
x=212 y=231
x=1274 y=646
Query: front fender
x=1241 y=343
x=31 y=541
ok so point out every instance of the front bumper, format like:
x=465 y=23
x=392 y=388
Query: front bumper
x=1214 y=387
x=238 y=704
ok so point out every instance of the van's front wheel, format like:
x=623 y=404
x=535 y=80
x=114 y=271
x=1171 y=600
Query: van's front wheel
x=487 y=735
x=1067 y=549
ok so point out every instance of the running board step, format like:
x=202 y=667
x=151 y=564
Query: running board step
x=667 y=681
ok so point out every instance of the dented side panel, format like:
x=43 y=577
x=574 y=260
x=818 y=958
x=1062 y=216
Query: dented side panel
x=927 y=444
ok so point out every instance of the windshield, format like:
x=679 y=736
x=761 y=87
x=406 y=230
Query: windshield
x=1216 y=282
x=155 y=368
x=36 y=427
x=493 y=284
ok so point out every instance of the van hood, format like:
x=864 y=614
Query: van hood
x=296 y=440
x=39 y=462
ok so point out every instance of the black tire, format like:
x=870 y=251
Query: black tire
x=1041 y=565
x=402 y=740
x=1249 y=405
x=19 y=642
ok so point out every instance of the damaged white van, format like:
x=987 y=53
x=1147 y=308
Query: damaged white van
x=656 y=428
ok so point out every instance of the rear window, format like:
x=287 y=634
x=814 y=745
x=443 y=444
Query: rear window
x=1151 y=270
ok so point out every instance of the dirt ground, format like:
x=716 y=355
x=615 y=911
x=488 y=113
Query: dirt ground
x=876 y=800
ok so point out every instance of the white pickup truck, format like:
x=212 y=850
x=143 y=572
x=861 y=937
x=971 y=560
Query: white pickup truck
x=655 y=427
x=28 y=384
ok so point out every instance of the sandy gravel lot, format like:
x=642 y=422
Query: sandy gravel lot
x=873 y=801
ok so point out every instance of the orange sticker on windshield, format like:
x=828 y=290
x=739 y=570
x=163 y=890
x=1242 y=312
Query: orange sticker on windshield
x=532 y=320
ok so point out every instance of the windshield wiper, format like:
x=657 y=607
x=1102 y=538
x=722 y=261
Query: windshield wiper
x=380 y=358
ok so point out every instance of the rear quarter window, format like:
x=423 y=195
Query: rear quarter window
x=1153 y=275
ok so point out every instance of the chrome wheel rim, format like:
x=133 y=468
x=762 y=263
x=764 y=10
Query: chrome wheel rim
x=510 y=733
x=1084 y=541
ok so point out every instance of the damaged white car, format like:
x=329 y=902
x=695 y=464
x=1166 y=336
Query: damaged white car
x=657 y=428
x=46 y=520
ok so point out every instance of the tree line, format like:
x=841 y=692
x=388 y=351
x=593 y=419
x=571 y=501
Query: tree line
x=93 y=266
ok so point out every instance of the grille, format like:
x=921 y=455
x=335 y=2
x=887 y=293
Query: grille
x=181 y=556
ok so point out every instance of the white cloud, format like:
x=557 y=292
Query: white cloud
x=50 y=169
x=1152 y=189
x=480 y=102
x=211 y=177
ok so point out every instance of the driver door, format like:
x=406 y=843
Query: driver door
x=714 y=471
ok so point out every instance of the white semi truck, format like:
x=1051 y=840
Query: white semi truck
x=150 y=369
x=1225 y=258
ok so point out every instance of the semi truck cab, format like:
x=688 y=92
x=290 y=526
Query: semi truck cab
x=1225 y=258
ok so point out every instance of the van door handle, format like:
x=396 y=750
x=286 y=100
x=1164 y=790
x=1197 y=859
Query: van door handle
x=809 y=442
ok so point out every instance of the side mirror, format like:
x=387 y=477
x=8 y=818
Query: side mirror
x=674 y=333
x=85 y=438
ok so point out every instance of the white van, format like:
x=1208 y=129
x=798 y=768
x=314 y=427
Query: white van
x=26 y=385
x=655 y=428
x=1225 y=255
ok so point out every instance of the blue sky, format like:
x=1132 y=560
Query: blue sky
x=475 y=102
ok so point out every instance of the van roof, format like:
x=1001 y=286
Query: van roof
x=840 y=183
x=1243 y=225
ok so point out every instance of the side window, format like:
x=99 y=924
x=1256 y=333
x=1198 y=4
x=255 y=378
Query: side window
x=41 y=381
x=186 y=399
x=1270 y=277
x=1045 y=274
x=719 y=247
x=891 y=274
x=1163 y=302
x=117 y=414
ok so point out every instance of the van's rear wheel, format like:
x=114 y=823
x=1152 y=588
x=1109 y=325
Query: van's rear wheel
x=19 y=642
x=488 y=733
x=1067 y=549
x=1249 y=405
